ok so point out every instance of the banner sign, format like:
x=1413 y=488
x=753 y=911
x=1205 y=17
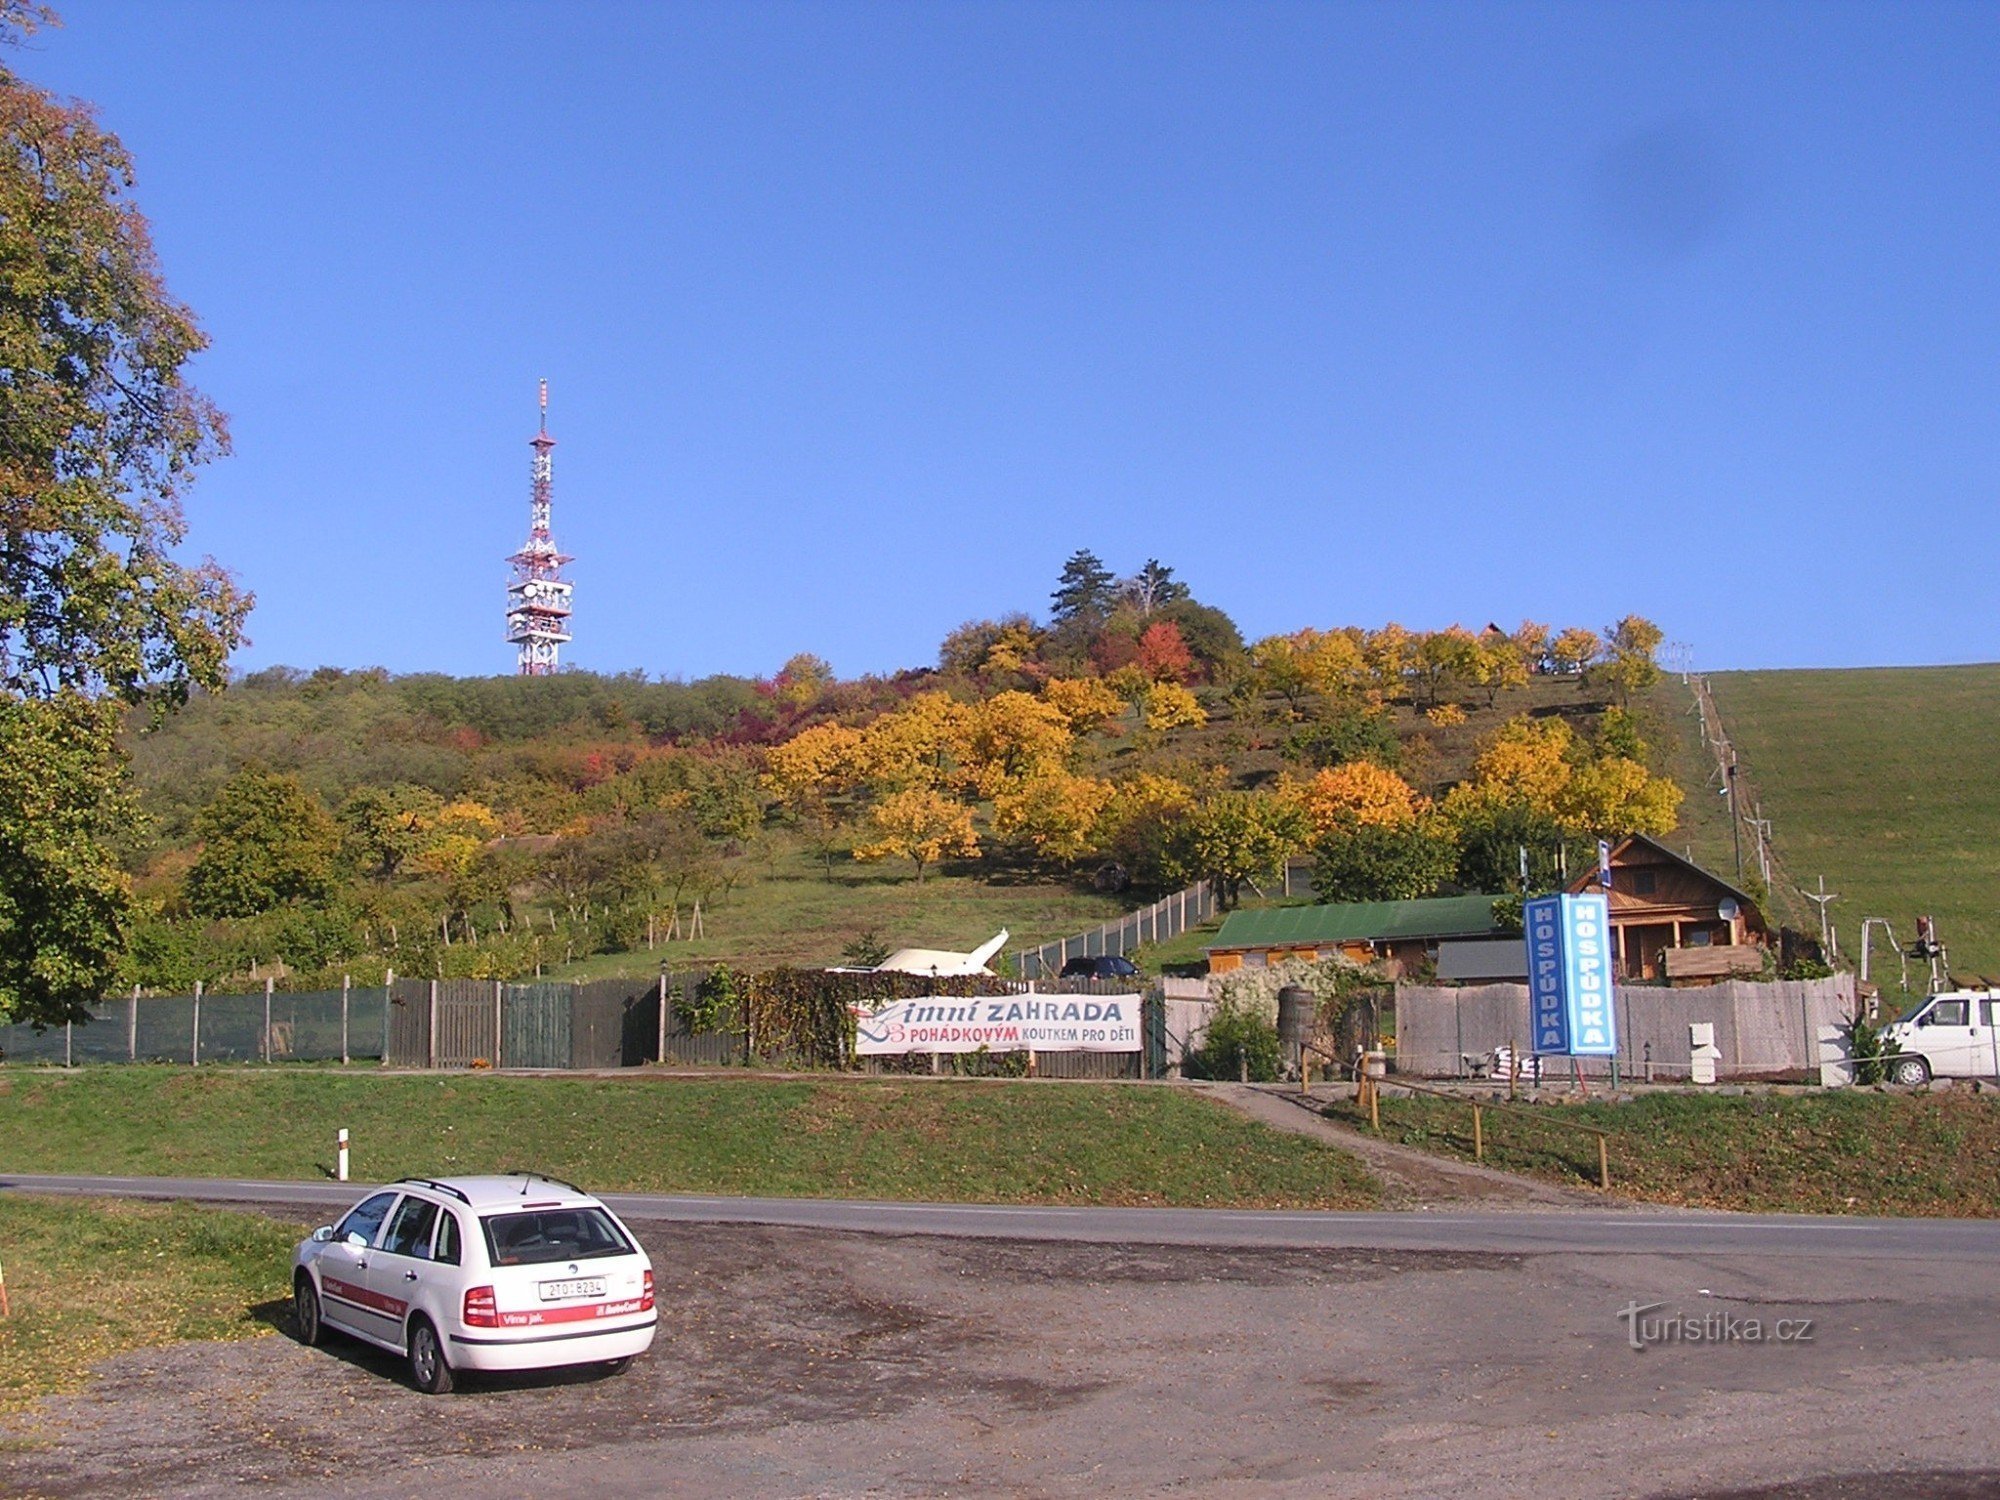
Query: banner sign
x=1569 y=975
x=999 y=1023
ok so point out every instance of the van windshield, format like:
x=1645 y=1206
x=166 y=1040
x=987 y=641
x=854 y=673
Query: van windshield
x=536 y=1237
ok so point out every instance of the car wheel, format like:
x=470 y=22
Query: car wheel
x=305 y=1311
x=1910 y=1072
x=428 y=1370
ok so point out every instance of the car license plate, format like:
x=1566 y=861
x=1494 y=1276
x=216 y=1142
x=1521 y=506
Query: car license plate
x=557 y=1291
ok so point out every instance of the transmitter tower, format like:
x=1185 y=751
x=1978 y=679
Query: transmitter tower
x=538 y=597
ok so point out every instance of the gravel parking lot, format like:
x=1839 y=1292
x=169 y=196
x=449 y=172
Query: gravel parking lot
x=809 y=1362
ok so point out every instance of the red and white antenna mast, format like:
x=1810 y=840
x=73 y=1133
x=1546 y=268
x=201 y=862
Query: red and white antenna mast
x=538 y=597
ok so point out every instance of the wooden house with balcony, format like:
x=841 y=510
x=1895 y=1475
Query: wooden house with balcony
x=1671 y=919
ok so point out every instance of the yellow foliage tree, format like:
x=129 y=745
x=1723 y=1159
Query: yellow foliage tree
x=917 y=745
x=809 y=772
x=1085 y=703
x=453 y=836
x=1526 y=763
x=1613 y=795
x=1010 y=737
x=1171 y=706
x=1391 y=654
x=1056 y=814
x=1358 y=791
x=1573 y=649
x=922 y=825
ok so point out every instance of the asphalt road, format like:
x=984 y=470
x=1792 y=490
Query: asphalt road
x=1619 y=1232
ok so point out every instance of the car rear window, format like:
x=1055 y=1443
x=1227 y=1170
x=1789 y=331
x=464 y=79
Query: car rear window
x=535 y=1237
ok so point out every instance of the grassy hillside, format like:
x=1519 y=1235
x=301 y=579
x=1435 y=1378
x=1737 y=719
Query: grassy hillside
x=1884 y=780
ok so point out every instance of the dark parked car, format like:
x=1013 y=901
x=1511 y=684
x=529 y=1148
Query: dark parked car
x=1105 y=966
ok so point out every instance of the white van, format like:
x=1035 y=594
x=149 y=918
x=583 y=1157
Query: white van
x=1948 y=1035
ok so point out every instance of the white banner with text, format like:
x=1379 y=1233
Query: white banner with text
x=999 y=1023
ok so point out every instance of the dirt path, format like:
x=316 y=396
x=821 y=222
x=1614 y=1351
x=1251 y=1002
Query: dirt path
x=1411 y=1179
x=802 y=1362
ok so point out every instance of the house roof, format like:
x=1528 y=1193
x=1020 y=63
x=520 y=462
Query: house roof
x=1588 y=880
x=1358 y=922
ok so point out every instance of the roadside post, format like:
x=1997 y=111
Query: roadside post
x=340 y=1162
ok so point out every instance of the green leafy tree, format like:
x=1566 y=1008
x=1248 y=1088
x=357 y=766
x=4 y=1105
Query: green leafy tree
x=1234 y=839
x=1384 y=862
x=99 y=435
x=382 y=828
x=266 y=842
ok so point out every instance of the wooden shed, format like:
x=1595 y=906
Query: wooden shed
x=1671 y=919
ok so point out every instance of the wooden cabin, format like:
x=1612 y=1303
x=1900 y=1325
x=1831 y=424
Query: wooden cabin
x=1671 y=919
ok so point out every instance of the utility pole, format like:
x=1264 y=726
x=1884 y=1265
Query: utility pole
x=1735 y=823
x=1824 y=896
x=1761 y=826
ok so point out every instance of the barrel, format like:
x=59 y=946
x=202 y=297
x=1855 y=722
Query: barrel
x=1296 y=1007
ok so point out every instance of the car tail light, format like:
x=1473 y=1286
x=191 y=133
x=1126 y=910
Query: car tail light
x=646 y=1294
x=480 y=1311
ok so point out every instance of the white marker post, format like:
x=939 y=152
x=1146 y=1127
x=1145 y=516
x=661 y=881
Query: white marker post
x=340 y=1168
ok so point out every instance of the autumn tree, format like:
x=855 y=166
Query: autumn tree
x=1163 y=655
x=1445 y=661
x=1628 y=666
x=1085 y=703
x=922 y=825
x=265 y=842
x=801 y=680
x=1009 y=737
x=1168 y=705
x=1573 y=649
x=810 y=775
x=1357 y=792
x=1056 y=814
x=100 y=434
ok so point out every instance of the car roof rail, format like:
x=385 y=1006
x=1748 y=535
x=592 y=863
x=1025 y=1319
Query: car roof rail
x=541 y=1177
x=442 y=1187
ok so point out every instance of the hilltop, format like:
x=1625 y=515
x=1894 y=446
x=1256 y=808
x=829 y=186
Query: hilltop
x=1886 y=780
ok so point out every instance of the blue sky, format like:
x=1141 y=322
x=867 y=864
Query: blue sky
x=858 y=319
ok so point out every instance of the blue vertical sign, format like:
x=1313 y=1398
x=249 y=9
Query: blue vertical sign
x=1542 y=920
x=1569 y=975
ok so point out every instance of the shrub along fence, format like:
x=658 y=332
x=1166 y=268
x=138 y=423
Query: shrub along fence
x=790 y=1018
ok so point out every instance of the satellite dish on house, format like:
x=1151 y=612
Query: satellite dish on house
x=1727 y=908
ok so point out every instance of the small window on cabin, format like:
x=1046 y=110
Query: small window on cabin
x=1643 y=882
x=1256 y=960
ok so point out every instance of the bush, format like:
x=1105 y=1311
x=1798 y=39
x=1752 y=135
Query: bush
x=1871 y=1051
x=1241 y=1041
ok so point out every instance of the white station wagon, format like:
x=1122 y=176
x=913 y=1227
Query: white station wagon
x=519 y=1272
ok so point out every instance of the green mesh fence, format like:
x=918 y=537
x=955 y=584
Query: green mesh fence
x=286 y=1026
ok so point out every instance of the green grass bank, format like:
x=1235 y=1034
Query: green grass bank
x=1842 y=1152
x=953 y=1140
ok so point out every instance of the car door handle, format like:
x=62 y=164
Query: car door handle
x=409 y=1276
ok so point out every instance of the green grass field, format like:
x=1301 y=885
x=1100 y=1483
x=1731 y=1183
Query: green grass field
x=951 y=1140
x=1887 y=782
x=87 y=1280
x=787 y=911
x=1841 y=1152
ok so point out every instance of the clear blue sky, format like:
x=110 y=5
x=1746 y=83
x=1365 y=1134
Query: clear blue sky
x=859 y=318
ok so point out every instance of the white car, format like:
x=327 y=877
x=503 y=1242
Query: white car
x=519 y=1272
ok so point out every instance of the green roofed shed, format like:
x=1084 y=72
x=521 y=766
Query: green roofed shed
x=1397 y=929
